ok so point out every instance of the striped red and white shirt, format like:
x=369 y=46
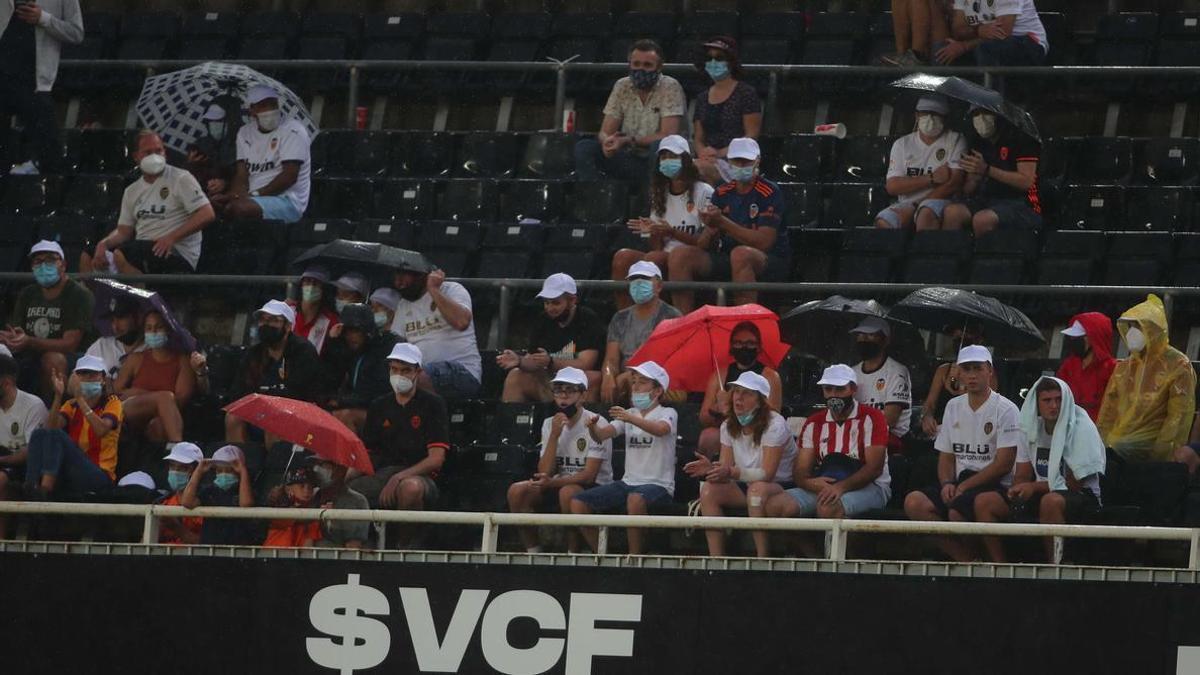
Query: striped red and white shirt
x=863 y=428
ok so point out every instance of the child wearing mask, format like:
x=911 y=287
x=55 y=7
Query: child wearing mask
x=297 y=492
x=923 y=171
x=181 y=464
x=230 y=486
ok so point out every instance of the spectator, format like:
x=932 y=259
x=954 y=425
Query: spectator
x=31 y=39
x=352 y=288
x=76 y=452
x=156 y=384
x=946 y=383
x=316 y=319
x=571 y=460
x=230 y=486
x=883 y=383
x=360 y=361
x=629 y=328
x=124 y=315
x=757 y=454
x=182 y=462
x=677 y=197
x=923 y=172
x=649 y=431
x=1058 y=474
x=1001 y=186
x=643 y=108
x=163 y=213
x=21 y=413
x=842 y=468
x=566 y=336
x=281 y=364
x=1004 y=33
x=384 y=302
x=335 y=494
x=1089 y=362
x=745 y=345
x=727 y=110
x=297 y=492
x=979 y=442
x=274 y=165
x=435 y=315
x=917 y=24
x=212 y=158
x=49 y=319
x=1151 y=397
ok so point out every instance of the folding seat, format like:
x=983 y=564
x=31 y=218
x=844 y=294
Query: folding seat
x=454 y=262
x=421 y=154
x=532 y=199
x=657 y=26
x=284 y=25
x=1058 y=34
x=330 y=152
x=348 y=198
x=514 y=237
x=766 y=51
x=1179 y=25
x=466 y=418
x=503 y=264
x=853 y=25
x=1093 y=207
x=1128 y=26
x=549 y=155
x=370 y=152
x=828 y=52
x=1102 y=160
x=574 y=249
x=1177 y=52
x=599 y=202
x=1004 y=257
x=814 y=253
x=103 y=25
x=1187 y=265
x=399 y=233
x=802 y=204
x=467 y=199
x=863 y=158
x=266 y=48
x=203 y=49
x=1139 y=258
x=96 y=197
x=156 y=25
x=449 y=244
x=209 y=25
x=1164 y=209
x=1070 y=257
x=404 y=200
x=521 y=26
x=385 y=49
x=31 y=195
x=870 y=255
x=322 y=48
x=1169 y=161
x=387 y=26
x=141 y=49
x=806 y=157
x=504 y=83
x=473 y=25
x=345 y=25
x=310 y=231
x=786 y=25
x=938 y=256
x=488 y=155
x=853 y=204
x=68 y=229
x=443 y=49
x=586 y=50
x=105 y=151
x=1058 y=154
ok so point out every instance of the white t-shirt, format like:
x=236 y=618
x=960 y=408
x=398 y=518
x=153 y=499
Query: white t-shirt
x=112 y=353
x=890 y=384
x=18 y=422
x=974 y=436
x=576 y=447
x=421 y=323
x=985 y=11
x=649 y=459
x=156 y=209
x=747 y=455
x=912 y=157
x=1039 y=457
x=265 y=154
x=683 y=216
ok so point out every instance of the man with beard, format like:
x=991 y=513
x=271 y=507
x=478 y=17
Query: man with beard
x=358 y=363
x=883 y=382
x=435 y=315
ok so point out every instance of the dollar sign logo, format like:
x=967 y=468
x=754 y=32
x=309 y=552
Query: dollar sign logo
x=359 y=642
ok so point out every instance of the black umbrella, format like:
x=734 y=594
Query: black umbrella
x=344 y=255
x=822 y=327
x=935 y=308
x=973 y=94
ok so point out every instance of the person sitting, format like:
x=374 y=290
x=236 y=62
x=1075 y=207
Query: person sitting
x=883 y=382
x=336 y=494
x=1089 y=362
x=297 y=492
x=566 y=335
x=156 y=384
x=21 y=413
x=125 y=320
x=630 y=327
x=352 y=289
x=359 y=358
x=923 y=172
x=384 y=302
x=182 y=462
x=1001 y=187
x=316 y=319
x=435 y=315
x=649 y=430
x=946 y=383
x=1004 y=33
x=230 y=486
x=917 y=24
x=728 y=109
x=745 y=346
x=212 y=158
x=757 y=454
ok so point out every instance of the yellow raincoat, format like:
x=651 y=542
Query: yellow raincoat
x=1149 y=402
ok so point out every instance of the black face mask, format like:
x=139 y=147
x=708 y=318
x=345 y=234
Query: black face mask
x=412 y=293
x=270 y=335
x=1077 y=346
x=129 y=338
x=868 y=350
x=745 y=356
x=569 y=410
x=839 y=404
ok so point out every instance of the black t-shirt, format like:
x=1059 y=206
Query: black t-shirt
x=399 y=435
x=585 y=331
x=19 y=47
x=1009 y=148
x=227 y=531
x=735 y=371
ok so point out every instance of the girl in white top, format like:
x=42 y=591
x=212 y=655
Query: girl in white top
x=677 y=197
x=757 y=454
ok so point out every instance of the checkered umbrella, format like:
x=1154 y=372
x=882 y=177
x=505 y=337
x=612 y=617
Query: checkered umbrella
x=173 y=104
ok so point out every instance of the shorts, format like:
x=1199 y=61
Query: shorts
x=720 y=269
x=1080 y=505
x=891 y=215
x=1013 y=213
x=371 y=486
x=452 y=379
x=550 y=499
x=964 y=503
x=786 y=485
x=140 y=254
x=278 y=207
x=854 y=503
x=613 y=497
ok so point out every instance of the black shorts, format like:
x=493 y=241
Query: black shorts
x=140 y=254
x=720 y=269
x=1080 y=505
x=1013 y=214
x=965 y=502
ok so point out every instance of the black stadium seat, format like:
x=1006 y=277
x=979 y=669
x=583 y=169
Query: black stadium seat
x=1102 y=160
x=400 y=233
x=1165 y=209
x=806 y=157
x=1092 y=207
x=657 y=26
x=344 y=25
x=340 y=198
x=786 y=25
x=803 y=204
x=853 y=204
x=404 y=199
x=521 y=26
x=870 y=255
x=1170 y=161
x=863 y=158
x=406 y=26
x=549 y=155
x=209 y=25
x=599 y=202
x=532 y=199
x=421 y=154
x=31 y=195
x=1139 y=258
x=487 y=155
x=469 y=200
x=1070 y=257
x=705 y=24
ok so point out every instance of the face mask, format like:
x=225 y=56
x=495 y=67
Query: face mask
x=401 y=384
x=153 y=164
x=839 y=404
x=741 y=174
x=156 y=340
x=1135 y=339
x=717 y=70
x=46 y=274
x=641 y=401
x=745 y=356
x=985 y=124
x=930 y=125
x=339 y=305
x=1077 y=347
x=225 y=481
x=641 y=290
x=270 y=335
x=868 y=350
x=670 y=167
x=268 y=120
x=310 y=293
x=381 y=319
x=91 y=389
x=747 y=418
x=644 y=79
x=324 y=475
x=568 y=410
x=216 y=130
x=413 y=293
x=129 y=338
x=177 y=480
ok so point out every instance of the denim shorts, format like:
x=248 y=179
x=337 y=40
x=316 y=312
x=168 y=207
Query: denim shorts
x=452 y=379
x=277 y=207
x=854 y=503
x=613 y=497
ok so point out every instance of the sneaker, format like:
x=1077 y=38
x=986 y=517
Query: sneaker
x=909 y=59
x=892 y=59
x=24 y=169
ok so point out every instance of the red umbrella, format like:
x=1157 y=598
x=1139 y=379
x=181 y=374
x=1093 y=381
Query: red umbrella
x=304 y=424
x=692 y=347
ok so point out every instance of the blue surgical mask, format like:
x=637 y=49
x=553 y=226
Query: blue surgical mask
x=46 y=274
x=91 y=389
x=381 y=319
x=641 y=290
x=717 y=70
x=177 y=480
x=742 y=174
x=670 y=167
x=155 y=340
x=310 y=293
x=225 y=481
x=641 y=400
x=747 y=418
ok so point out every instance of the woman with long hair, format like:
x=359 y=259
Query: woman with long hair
x=728 y=109
x=745 y=346
x=156 y=383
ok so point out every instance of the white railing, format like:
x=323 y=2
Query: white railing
x=835 y=530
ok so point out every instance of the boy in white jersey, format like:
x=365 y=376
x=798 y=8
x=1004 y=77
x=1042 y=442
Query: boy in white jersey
x=274 y=165
x=571 y=460
x=649 y=431
x=923 y=172
x=978 y=442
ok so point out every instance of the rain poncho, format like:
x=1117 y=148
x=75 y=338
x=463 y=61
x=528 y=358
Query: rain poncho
x=1075 y=441
x=1151 y=398
x=1088 y=383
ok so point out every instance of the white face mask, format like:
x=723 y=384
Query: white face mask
x=1135 y=339
x=153 y=164
x=268 y=120
x=216 y=130
x=985 y=124
x=401 y=384
x=930 y=125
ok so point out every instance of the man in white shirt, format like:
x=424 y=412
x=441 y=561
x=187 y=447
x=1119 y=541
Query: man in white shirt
x=126 y=336
x=999 y=32
x=272 y=180
x=883 y=382
x=20 y=413
x=979 y=439
x=163 y=213
x=435 y=315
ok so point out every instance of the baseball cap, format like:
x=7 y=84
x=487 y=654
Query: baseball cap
x=259 y=93
x=406 y=352
x=933 y=104
x=1074 y=330
x=45 y=246
x=743 y=148
x=214 y=113
x=655 y=372
x=185 y=453
x=138 y=478
x=90 y=364
x=353 y=281
x=227 y=453
x=388 y=297
x=643 y=268
x=676 y=144
x=872 y=324
x=278 y=308
x=316 y=272
x=754 y=382
x=558 y=285
x=571 y=375
x=974 y=354
x=724 y=43
x=837 y=375
x=300 y=474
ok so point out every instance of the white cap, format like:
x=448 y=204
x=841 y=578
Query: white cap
x=571 y=375
x=138 y=478
x=754 y=382
x=655 y=372
x=837 y=375
x=676 y=144
x=388 y=297
x=644 y=268
x=278 y=308
x=316 y=272
x=974 y=354
x=227 y=453
x=558 y=285
x=406 y=352
x=933 y=104
x=743 y=148
x=90 y=364
x=215 y=113
x=45 y=246
x=4 y=351
x=185 y=453
x=353 y=281
x=873 y=324
x=1074 y=330
x=259 y=93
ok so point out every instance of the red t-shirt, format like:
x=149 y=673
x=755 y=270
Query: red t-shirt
x=1087 y=384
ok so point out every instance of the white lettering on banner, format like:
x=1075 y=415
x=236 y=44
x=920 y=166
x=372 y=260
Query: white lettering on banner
x=358 y=642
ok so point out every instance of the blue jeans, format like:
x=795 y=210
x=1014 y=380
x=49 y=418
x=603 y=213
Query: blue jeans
x=1018 y=50
x=854 y=503
x=53 y=453
x=591 y=164
x=452 y=379
x=615 y=495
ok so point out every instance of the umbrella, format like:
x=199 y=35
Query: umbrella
x=343 y=254
x=822 y=327
x=692 y=347
x=935 y=308
x=306 y=425
x=173 y=104
x=108 y=293
x=974 y=94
